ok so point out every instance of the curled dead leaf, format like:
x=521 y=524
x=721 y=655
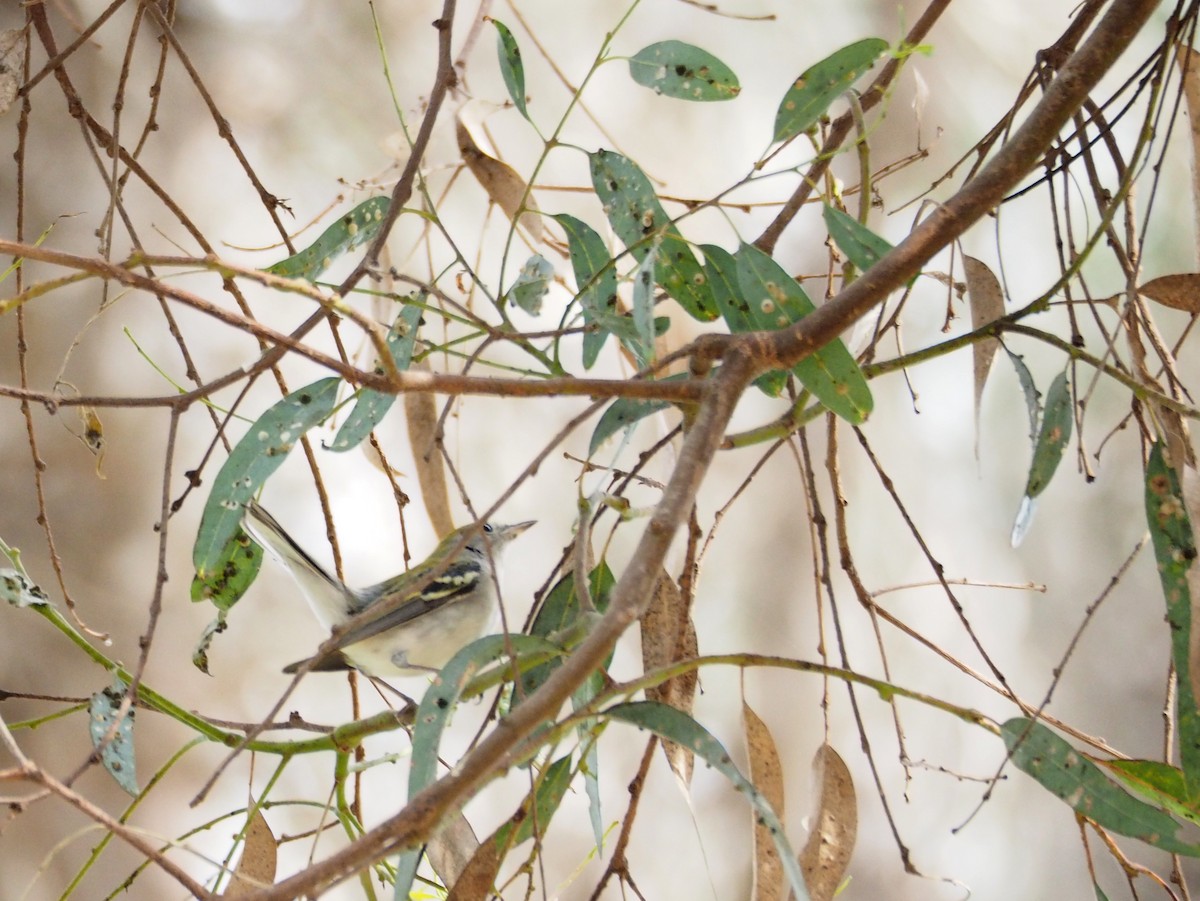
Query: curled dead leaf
x=256 y=870
x=503 y=185
x=1189 y=64
x=826 y=854
x=766 y=772
x=1179 y=292
x=986 y=300
x=421 y=414
x=668 y=635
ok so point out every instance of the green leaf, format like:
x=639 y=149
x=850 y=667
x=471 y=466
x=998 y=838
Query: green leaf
x=857 y=242
x=622 y=413
x=720 y=266
x=558 y=612
x=637 y=217
x=236 y=569
x=684 y=72
x=260 y=452
x=1162 y=783
x=1067 y=774
x=532 y=284
x=1052 y=437
x=511 y=67
x=597 y=282
x=775 y=300
x=18 y=590
x=433 y=713
x=818 y=86
x=357 y=227
x=643 y=301
x=676 y=726
x=1033 y=403
x=371 y=406
x=116 y=754
x=548 y=794
x=1175 y=551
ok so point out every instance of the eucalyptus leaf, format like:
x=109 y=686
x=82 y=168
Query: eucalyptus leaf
x=637 y=217
x=683 y=71
x=1067 y=774
x=356 y=227
x=819 y=85
x=116 y=754
x=259 y=453
x=775 y=300
x=370 y=406
x=511 y=67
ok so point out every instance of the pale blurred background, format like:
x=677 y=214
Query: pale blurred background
x=302 y=87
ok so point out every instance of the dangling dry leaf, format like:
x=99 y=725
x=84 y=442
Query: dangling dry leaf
x=12 y=65
x=1179 y=292
x=451 y=851
x=478 y=876
x=503 y=185
x=987 y=305
x=256 y=870
x=421 y=413
x=770 y=881
x=668 y=634
x=830 y=844
x=1189 y=64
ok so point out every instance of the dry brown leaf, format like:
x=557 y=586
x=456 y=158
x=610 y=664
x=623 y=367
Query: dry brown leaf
x=767 y=775
x=502 y=183
x=450 y=851
x=421 y=413
x=987 y=305
x=1189 y=64
x=256 y=870
x=1179 y=292
x=830 y=844
x=12 y=65
x=479 y=875
x=668 y=635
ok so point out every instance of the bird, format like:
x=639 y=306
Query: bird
x=449 y=599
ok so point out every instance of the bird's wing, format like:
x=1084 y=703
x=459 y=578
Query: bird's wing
x=456 y=581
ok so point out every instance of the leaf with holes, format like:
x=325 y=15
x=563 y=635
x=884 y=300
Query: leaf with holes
x=113 y=738
x=775 y=300
x=638 y=218
x=236 y=570
x=596 y=282
x=682 y=71
x=1175 y=552
x=262 y=449
x=721 y=268
x=818 y=86
x=1068 y=775
x=370 y=405
x=532 y=283
x=356 y=227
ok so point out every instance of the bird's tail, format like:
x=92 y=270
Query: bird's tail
x=329 y=597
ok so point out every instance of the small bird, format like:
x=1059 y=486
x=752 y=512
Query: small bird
x=450 y=599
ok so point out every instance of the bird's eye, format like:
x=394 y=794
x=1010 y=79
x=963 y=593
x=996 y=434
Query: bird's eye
x=488 y=527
